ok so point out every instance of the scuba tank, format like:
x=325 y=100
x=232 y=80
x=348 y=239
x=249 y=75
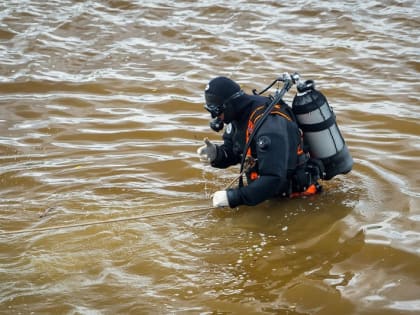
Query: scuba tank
x=317 y=120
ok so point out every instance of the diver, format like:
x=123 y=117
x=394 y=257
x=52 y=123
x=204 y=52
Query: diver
x=277 y=164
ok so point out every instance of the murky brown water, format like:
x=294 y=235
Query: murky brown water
x=100 y=117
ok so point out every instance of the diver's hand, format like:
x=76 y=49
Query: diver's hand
x=220 y=199
x=207 y=152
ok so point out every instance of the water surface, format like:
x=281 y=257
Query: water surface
x=100 y=117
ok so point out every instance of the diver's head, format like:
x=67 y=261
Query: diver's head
x=219 y=94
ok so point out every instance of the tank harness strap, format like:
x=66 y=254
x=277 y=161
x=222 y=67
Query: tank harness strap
x=319 y=126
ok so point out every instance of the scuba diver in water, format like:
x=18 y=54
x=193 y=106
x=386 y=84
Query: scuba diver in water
x=263 y=134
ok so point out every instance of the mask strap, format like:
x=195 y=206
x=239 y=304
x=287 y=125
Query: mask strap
x=233 y=96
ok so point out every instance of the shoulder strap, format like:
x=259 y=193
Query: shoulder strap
x=256 y=115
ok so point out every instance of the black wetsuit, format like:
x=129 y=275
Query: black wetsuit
x=274 y=147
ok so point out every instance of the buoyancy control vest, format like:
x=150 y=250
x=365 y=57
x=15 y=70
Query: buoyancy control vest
x=303 y=178
x=317 y=120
